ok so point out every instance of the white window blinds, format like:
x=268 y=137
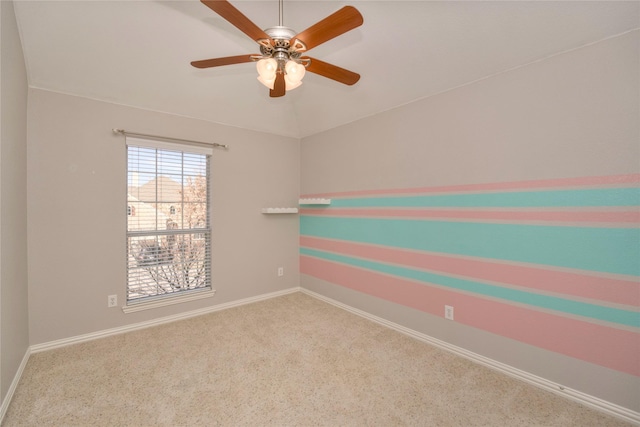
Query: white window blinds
x=168 y=219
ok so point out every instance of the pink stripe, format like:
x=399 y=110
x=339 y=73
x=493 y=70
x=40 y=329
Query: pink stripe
x=613 y=348
x=580 y=285
x=618 y=180
x=486 y=215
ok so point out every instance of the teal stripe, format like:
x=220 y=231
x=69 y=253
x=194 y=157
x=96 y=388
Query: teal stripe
x=593 y=311
x=609 y=250
x=523 y=199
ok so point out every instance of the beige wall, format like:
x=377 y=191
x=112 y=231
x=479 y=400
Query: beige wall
x=77 y=212
x=572 y=115
x=14 y=333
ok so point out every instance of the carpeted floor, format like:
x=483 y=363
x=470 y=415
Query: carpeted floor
x=288 y=361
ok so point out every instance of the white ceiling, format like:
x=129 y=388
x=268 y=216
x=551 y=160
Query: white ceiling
x=137 y=53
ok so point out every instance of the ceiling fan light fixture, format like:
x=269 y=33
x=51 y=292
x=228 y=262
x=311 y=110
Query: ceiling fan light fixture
x=295 y=71
x=268 y=82
x=267 y=68
x=289 y=85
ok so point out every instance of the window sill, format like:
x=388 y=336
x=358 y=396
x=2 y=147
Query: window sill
x=170 y=300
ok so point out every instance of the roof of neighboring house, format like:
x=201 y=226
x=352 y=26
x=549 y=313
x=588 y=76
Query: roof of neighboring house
x=168 y=191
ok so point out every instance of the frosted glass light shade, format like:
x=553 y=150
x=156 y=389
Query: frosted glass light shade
x=267 y=68
x=268 y=82
x=294 y=71
x=289 y=85
x=294 y=74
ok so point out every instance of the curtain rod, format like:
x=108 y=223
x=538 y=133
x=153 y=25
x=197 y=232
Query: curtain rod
x=166 y=138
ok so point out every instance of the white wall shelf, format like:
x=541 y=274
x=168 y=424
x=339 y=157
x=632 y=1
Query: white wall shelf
x=279 y=210
x=314 y=201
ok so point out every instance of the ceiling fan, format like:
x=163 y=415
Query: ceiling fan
x=280 y=64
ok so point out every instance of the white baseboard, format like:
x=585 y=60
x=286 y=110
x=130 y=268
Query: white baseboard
x=14 y=384
x=575 y=395
x=142 y=325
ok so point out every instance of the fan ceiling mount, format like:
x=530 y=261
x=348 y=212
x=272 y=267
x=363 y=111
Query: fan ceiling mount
x=280 y=63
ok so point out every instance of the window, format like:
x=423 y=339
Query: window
x=168 y=221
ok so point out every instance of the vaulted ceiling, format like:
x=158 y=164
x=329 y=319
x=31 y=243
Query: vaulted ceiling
x=137 y=53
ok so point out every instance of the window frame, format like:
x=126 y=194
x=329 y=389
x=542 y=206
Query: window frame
x=191 y=233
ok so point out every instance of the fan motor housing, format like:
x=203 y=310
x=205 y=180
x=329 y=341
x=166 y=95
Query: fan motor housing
x=281 y=37
x=280 y=32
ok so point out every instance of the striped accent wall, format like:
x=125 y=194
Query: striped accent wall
x=551 y=263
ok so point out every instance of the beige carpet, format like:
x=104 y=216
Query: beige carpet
x=288 y=361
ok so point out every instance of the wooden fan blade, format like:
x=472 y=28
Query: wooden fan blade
x=278 y=86
x=332 y=71
x=339 y=22
x=237 y=19
x=217 y=62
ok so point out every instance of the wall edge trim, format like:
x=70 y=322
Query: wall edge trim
x=50 y=345
x=593 y=402
x=14 y=384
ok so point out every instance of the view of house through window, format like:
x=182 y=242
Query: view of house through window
x=168 y=224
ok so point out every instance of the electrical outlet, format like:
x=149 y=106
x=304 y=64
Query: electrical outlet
x=448 y=312
x=112 y=301
x=280 y=271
